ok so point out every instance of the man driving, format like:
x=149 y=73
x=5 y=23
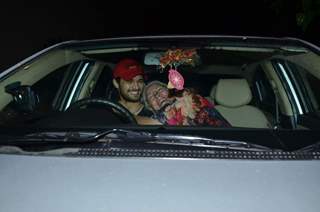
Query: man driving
x=128 y=79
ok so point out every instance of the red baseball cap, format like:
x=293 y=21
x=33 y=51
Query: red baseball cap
x=127 y=69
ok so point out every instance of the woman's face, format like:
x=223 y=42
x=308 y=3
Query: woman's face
x=157 y=96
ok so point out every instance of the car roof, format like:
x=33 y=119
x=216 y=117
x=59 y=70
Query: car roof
x=183 y=39
x=171 y=41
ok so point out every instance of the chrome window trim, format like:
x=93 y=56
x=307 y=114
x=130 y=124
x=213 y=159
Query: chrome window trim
x=291 y=88
x=76 y=85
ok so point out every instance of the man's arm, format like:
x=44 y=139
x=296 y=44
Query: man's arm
x=142 y=120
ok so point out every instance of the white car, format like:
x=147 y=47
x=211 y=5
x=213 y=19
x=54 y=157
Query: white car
x=67 y=144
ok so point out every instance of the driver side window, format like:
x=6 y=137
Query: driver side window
x=47 y=88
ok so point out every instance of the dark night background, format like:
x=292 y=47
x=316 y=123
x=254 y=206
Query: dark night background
x=27 y=27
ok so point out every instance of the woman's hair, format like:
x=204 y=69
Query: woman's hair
x=145 y=96
x=179 y=93
x=171 y=92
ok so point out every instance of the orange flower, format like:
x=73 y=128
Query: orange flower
x=178 y=56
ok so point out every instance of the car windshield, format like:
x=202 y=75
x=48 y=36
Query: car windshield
x=215 y=84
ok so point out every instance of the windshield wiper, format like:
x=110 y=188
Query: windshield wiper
x=311 y=148
x=134 y=137
x=178 y=140
x=49 y=138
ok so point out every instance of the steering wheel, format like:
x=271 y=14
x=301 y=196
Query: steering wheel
x=105 y=103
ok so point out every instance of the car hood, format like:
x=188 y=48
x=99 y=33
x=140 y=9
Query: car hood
x=41 y=183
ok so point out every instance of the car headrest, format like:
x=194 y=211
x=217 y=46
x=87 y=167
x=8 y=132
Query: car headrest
x=233 y=92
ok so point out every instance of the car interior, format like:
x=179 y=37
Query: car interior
x=235 y=81
x=242 y=82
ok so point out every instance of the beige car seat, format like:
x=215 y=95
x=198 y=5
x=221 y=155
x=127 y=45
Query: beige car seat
x=232 y=97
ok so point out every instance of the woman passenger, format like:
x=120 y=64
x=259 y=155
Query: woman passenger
x=182 y=108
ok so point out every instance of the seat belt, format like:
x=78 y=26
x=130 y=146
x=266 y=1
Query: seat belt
x=277 y=115
x=276 y=123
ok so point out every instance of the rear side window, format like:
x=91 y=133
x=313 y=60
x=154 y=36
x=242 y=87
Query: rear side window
x=314 y=84
x=301 y=85
x=309 y=86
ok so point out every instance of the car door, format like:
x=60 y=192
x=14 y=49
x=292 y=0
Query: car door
x=300 y=85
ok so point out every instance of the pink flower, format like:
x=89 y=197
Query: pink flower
x=176 y=79
x=175 y=117
x=205 y=103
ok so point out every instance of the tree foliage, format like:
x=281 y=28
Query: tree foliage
x=305 y=11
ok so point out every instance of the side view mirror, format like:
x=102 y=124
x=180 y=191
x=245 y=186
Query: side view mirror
x=24 y=98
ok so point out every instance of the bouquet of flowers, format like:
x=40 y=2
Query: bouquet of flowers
x=176 y=57
x=193 y=109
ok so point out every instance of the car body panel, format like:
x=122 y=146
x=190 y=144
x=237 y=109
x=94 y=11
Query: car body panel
x=43 y=183
x=32 y=183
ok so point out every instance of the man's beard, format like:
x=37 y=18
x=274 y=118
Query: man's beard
x=129 y=98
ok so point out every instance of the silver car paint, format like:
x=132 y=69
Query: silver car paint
x=51 y=184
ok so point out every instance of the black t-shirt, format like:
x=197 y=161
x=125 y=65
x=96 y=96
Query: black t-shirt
x=145 y=112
